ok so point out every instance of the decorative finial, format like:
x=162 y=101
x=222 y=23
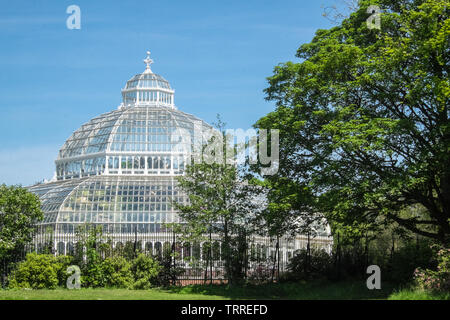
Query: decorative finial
x=148 y=62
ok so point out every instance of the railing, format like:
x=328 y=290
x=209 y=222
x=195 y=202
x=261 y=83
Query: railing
x=200 y=261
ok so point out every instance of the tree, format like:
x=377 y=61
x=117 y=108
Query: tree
x=289 y=212
x=220 y=202
x=89 y=246
x=19 y=211
x=364 y=118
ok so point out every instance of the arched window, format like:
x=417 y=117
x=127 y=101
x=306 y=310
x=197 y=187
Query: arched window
x=149 y=248
x=187 y=250
x=196 y=250
x=61 y=248
x=70 y=249
x=167 y=249
x=158 y=248
x=216 y=251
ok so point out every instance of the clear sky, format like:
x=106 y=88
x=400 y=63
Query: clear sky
x=215 y=54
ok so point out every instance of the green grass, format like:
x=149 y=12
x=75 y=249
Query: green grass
x=293 y=291
x=297 y=291
x=100 y=294
x=409 y=294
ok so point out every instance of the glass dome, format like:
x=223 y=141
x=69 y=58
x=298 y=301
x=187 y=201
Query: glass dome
x=144 y=139
x=147 y=135
x=119 y=170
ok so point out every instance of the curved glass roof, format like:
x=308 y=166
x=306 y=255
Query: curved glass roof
x=147 y=121
x=109 y=199
x=92 y=137
x=137 y=129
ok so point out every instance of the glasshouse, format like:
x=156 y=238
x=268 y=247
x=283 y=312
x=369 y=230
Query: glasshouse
x=119 y=171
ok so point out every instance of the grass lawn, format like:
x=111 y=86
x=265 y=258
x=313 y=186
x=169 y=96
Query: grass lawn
x=100 y=294
x=407 y=294
x=297 y=291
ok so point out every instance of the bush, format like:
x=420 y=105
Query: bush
x=146 y=271
x=168 y=273
x=262 y=273
x=65 y=262
x=92 y=275
x=40 y=271
x=116 y=273
x=435 y=280
x=300 y=268
x=409 y=257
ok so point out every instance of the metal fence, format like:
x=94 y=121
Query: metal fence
x=199 y=262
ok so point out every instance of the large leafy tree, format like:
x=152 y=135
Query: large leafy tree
x=19 y=211
x=364 y=117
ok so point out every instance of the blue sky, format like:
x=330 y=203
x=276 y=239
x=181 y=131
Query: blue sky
x=215 y=54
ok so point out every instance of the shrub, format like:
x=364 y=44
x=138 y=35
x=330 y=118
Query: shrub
x=317 y=266
x=146 y=271
x=261 y=273
x=64 y=262
x=39 y=271
x=435 y=280
x=116 y=272
x=168 y=273
x=409 y=257
x=92 y=274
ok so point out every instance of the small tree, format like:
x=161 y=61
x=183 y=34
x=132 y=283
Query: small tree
x=19 y=211
x=146 y=271
x=87 y=255
x=221 y=202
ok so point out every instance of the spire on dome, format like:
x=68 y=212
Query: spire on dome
x=148 y=61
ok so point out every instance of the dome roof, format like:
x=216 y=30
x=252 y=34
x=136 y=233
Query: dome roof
x=148 y=88
x=146 y=127
x=140 y=129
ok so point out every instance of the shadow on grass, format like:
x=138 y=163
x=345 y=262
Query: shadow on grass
x=317 y=290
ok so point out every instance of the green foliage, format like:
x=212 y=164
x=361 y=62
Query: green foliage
x=40 y=271
x=64 y=262
x=219 y=203
x=435 y=280
x=409 y=257
x=364 y=120
x=169 y=273
x=146 y=271
x=87 y=255
x=19 y=210
x=116 y=272
x=260 y=274
x=315 y=265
